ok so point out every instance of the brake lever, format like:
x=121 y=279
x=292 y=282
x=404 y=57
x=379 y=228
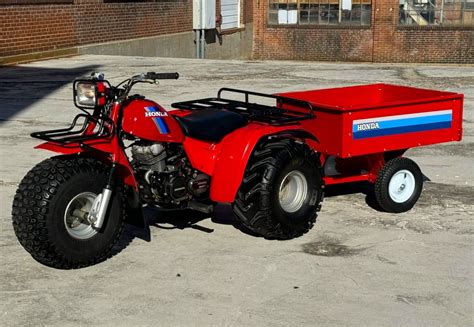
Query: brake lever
x=149 y=81
x=142 y=78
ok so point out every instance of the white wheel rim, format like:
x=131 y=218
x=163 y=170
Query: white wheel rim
x=293 y=191
x=79 y=227
x=401 y=186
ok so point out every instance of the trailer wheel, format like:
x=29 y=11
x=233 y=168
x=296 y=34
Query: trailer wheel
x=281 y=191
x=398 y=185
x=47 y=213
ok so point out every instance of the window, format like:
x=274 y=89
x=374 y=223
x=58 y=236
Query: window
x=437 y=12
x=320 y=12
x=118 y=1
x=34 y=2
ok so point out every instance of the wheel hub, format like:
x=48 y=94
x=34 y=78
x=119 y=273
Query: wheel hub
x=293 y=191
x=401 y=186
x=76 y=216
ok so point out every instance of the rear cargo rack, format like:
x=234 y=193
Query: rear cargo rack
x=70 y=134
x=280 y=114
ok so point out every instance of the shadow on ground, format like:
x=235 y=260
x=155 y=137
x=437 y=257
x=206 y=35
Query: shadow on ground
x=183 y=219
x=20 y=86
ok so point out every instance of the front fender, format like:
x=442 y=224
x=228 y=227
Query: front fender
x=101 y=151
x=235 y=151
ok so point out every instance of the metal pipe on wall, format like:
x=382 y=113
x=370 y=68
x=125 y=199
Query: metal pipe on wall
x=198 y=43
x=203 y=25
x=203 y=44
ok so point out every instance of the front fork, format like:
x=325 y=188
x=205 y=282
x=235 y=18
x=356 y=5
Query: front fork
x=101 y=203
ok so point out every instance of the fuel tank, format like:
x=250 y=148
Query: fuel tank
x=148 y=120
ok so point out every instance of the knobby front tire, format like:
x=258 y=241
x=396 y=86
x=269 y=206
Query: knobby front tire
x=39 y=213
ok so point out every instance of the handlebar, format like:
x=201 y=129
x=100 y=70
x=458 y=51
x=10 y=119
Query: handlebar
x=150 y=77
x=155 y=76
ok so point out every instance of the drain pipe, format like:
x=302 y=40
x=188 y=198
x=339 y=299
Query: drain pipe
x=203 y=25
x=203 y=44
x=204 y=17
x=198 y=44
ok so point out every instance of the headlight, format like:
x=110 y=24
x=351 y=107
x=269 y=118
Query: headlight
x=86 y=94
x=90 y=93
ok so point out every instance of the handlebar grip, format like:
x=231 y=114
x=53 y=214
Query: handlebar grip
x=152 y=75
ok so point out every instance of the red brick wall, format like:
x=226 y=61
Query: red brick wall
x=384 y=41
x=31 y=28
x=247 y=11
x=393 y=43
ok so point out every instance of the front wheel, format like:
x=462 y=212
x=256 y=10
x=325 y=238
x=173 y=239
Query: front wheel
x=398 y=185
x=50 y=211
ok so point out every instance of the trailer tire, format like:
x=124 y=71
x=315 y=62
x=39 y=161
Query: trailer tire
x=41 y=209
x=398 y=185
x=261 y=205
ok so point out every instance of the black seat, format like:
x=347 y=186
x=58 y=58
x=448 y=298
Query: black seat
x=210 y=124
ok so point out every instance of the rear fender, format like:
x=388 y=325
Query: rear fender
x=101 y=151
x=235 y=151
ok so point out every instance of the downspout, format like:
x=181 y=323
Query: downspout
x=199 y=27
x=198 y=44
x=203 y=23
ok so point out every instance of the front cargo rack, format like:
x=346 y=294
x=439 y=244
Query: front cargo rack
x=92 y=128
x=286 y=110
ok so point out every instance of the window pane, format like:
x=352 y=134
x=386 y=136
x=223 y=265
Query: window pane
x=324 y=14
x=273 y=13
x=314 y=13
x=333 y=14
x=304 y=13
x=366 y=16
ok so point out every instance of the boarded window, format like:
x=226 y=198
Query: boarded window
x=230 y=11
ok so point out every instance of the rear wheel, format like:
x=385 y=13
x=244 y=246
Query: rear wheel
x=398 y=185
x=50 y=213
x=281 y=191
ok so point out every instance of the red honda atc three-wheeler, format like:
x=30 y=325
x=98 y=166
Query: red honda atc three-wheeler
x=269 y=156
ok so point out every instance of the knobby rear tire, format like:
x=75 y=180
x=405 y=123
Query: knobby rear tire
x=40 y=203
x=257 y=204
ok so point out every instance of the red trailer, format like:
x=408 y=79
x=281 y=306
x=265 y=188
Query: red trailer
x=271 y=161
x=364 y=126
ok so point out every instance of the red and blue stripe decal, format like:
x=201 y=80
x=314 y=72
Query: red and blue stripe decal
x=401 y=124
x=159 y=122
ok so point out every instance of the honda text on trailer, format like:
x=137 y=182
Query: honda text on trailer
x=270 y=161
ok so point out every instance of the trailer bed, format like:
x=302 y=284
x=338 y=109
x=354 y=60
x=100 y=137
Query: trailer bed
x=359 y=120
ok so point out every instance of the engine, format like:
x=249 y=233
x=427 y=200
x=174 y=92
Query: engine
x=165 y=176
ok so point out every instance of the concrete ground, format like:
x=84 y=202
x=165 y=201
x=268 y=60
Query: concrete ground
x=357 y=267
